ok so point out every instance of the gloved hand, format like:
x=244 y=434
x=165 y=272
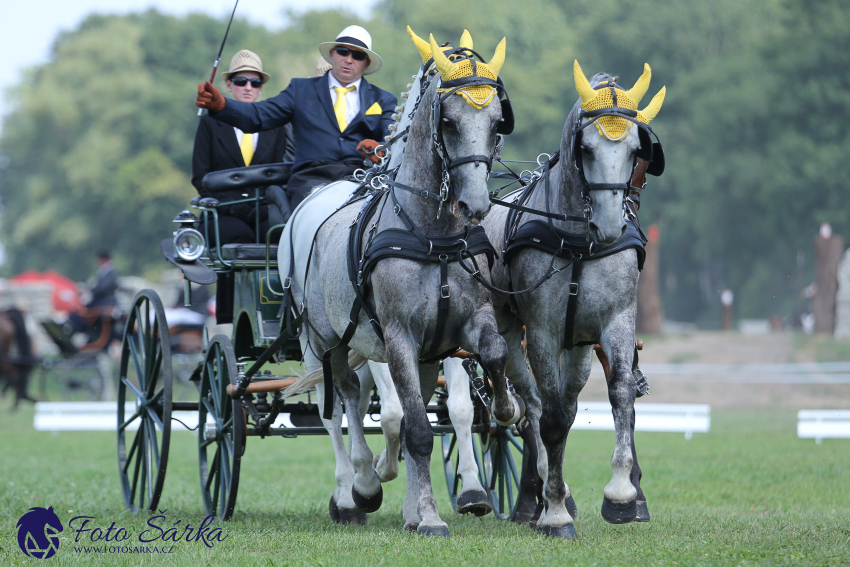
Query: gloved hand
x=367 y=149
x=209 y=98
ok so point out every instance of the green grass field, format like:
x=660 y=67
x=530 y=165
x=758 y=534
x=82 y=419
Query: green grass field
x=747 y=493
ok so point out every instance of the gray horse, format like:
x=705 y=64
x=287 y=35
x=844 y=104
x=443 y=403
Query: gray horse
x=440 y=193
x=586 y=196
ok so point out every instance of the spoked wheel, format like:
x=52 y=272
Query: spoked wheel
x=221 y=439
x=501 y=474
x=144 y=382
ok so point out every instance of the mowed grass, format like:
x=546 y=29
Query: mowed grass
x=747 y=493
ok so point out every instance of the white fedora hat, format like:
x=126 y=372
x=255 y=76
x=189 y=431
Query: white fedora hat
x=354 y=36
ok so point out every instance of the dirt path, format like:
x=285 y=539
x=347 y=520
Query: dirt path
x=722 y=391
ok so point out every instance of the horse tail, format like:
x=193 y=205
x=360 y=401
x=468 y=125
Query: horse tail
x=304 y=383
x=356 y=361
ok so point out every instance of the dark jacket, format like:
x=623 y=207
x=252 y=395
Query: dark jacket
x=103 y=291
x=216 y=148
x=306 y=104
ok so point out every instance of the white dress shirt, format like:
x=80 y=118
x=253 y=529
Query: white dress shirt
x=352 y=98
x=255 y=136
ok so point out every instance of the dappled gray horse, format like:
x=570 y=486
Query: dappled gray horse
x=574 y=260
x=410 y=310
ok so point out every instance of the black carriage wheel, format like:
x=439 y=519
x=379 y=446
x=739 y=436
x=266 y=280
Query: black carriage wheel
x=221 y=435
x=144 y=381
x=502 y=476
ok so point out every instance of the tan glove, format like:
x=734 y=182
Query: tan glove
x=367 y=149
x=209 y=98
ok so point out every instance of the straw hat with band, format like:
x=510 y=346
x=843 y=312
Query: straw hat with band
x=354 y=36
x=246 y=61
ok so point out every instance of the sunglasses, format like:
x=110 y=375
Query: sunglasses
x=242 y=81
x=356 y=55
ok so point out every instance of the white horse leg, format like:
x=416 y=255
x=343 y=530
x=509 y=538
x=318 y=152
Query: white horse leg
x=342 y=508
x=366 y=486
x=386 y=464
x=472 y=497
x=619 y=504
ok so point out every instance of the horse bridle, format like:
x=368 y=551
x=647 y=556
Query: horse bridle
x=448 y=163
x=651 y=154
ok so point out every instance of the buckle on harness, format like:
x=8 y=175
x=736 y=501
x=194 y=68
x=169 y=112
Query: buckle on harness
x=444 y=291
x=287 y=282
x=573 y=288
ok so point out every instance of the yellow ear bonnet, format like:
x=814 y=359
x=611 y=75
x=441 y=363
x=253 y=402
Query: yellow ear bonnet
x=613 y=127
x=457 y=67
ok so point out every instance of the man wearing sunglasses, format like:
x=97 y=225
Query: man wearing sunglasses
x=336 y=117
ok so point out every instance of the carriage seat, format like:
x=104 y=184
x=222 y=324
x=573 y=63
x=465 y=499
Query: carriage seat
x=248 y=252
x=247 y=177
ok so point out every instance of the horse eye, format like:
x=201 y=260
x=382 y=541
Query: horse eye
x=588 y=150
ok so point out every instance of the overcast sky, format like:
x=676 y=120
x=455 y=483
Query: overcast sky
x=29 y=27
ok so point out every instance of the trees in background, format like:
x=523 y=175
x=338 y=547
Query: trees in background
x=753 y=126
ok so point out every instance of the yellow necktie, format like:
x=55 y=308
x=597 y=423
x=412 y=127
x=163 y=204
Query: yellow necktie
x=339 y=106
x=247 y=147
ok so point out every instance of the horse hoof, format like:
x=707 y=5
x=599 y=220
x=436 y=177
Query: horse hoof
x=642 y=511
x=352 y=517
x=563 y=532
x=368 y=504
x=333 y=510
x=475 y=502
x=410 y=527
x=614 y=513
x=571 y=506
x=439 y=531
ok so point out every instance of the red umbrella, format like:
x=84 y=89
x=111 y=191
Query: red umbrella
x=66 y=296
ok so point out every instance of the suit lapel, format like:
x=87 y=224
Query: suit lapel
x=228 y=139
x=324 y=93
x=366 y=100
x=264 y=146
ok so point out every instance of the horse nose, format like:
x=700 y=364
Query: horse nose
x=605 y=237
x=472 y=215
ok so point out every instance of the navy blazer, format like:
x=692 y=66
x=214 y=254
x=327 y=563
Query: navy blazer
x=216 y=148
x=306 y=103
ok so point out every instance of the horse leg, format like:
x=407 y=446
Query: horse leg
x=493 y=352
x=636 y=474
x=366 y=486
x=530 y=498
x=341 y=506
x=555 y=520
x=386 y=464
x=404 y=368
x=619 y=505
x=410 y=510
x=472 y=497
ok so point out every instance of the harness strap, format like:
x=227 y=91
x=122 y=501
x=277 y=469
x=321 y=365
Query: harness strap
x=467 y=159
x=443 y=310
x=572 y=302
x=556 y=216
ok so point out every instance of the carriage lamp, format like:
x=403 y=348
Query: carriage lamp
x=188 y=244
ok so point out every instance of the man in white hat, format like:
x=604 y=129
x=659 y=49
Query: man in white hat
x=336 y=118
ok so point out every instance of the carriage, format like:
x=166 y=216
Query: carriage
x=236 y=398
